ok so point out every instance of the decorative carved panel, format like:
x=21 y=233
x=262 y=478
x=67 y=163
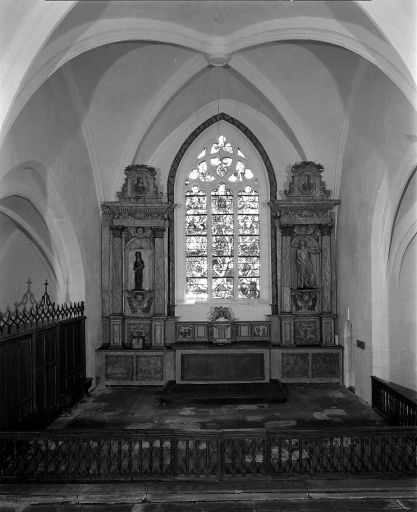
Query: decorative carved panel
x=328 y=331
x=139 y=303
x=305 y=300
x=307 y=331
x=138 y=333
x=119 y=368
x=158 y=332
x=149 y=368
x=295 y=365
x=116 y=332
x=325 y=365
x=287 y=334
x=311 y=364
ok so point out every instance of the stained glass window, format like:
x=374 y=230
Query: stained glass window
x=222 y=245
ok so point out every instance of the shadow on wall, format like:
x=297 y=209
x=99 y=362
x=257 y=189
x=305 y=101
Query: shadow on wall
x=32 y=244
x=402 y=290
x=25 y=253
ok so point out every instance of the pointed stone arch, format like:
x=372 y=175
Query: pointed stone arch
x=222 y=116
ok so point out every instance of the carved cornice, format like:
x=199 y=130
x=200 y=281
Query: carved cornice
x=305 y=211
x=119 y=210
x=303 y=203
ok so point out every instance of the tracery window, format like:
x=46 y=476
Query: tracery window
x=222 y=238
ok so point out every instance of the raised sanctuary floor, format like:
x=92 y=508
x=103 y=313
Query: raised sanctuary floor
x=308 y=406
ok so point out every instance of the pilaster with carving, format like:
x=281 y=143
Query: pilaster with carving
x=116 y=269
x=160 y=271
x=307 y=286
x=286 y=269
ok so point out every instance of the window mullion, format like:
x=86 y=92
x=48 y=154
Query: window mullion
x=235 y=245
x=209 y=246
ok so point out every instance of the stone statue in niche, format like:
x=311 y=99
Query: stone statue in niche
x=138 y=267
x=306 y=277
x=138 y=286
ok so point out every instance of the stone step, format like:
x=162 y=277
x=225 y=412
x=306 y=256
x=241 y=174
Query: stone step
x=266 y=392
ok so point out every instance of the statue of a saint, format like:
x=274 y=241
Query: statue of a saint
x=138 y=267
x=306 y=278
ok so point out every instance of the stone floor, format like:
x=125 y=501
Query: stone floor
x=313 y=495
x=346 y=505
x=309 y=406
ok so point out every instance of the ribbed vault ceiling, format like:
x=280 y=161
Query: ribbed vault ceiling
x=138 y=72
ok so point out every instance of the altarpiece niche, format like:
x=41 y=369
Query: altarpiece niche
x=307 y=282
x=133 y=272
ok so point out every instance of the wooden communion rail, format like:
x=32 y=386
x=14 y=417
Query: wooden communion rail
x=208 y=455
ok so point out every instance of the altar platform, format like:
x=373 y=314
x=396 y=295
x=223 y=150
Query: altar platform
x=308 y=406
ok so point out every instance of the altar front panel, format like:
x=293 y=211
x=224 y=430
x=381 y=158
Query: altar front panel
x=222 y=365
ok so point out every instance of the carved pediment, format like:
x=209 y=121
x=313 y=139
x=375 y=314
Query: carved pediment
x=306 y=181
x=140 y=183
x=139 y=198
x=307 y=201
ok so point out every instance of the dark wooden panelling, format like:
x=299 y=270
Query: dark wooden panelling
x=40 y=370
x=15 y=380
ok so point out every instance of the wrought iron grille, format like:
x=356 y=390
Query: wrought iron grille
x=38 y=314
x=209 y=455
x=392 y=404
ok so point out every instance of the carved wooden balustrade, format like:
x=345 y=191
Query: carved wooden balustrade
x=396 y=404
x=209 y=455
